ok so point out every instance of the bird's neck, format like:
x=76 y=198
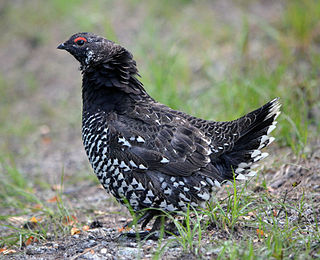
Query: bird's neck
x=107 y=90
x=101 y=99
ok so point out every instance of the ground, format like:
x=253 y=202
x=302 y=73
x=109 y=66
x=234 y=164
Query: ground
x=217 y=60
x=287 y=186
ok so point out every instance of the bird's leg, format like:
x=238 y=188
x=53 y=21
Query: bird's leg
x=158 y=227
x=169 y=228
x=158 y=223
x=145 y=218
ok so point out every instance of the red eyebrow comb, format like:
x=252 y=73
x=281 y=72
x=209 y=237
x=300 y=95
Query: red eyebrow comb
x=80 y=38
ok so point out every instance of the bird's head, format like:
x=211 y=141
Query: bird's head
x=89 y=48
x=104 y=63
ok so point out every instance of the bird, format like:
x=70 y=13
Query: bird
x=150 y=157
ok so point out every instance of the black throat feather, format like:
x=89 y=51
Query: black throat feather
x=111 y=84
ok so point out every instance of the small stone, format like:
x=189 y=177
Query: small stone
x=103 y=251
x=90 y=243
x=129 y=252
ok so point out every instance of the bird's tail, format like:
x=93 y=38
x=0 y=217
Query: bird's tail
x=255 y=129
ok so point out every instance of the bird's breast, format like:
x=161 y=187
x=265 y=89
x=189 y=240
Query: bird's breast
x=96 y=139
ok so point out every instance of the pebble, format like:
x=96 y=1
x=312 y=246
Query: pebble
x=36 y=250
x=103 y=251
x=129 y=252
x=90 y=243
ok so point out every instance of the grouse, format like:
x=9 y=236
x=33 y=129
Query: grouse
x=147 y=155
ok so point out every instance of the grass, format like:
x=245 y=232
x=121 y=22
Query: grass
x=190 y=231
x=51 y=216
x=191 y=57
x=262 y=221
x=269 y=227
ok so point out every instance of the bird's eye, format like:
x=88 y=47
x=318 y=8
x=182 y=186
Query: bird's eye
x=80 y=41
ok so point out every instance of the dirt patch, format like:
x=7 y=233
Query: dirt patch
x=300 y=177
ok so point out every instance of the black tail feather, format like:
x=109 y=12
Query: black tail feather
x=255 y=129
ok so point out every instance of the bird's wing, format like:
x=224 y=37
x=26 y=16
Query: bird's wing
x=168 y=144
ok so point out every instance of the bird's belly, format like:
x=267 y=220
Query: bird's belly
x=130 y=192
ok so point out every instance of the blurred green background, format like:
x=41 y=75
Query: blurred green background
x=213 y=59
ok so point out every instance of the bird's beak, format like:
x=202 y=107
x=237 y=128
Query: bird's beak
x=61 y=46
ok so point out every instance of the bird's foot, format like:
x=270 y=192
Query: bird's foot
x=141 y=235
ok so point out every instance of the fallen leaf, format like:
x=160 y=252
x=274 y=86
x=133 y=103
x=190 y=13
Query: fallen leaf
x=74 y=231
x=124 y=229
x=69 y=220
x=85 y=228
x=33 y=220
x=37 y=206
x=53 y=199
x=56 y=187
x=121 y=229
x=2 y=249
x=30 y=240
x=46 y=140
x=260 y=232
x=8 y=251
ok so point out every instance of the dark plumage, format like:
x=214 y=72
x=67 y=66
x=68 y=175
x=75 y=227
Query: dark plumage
x=146 y=153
